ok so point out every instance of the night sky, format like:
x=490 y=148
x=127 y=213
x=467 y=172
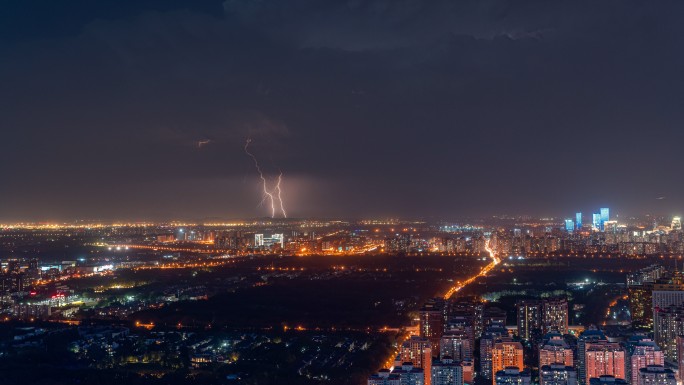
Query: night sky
x=412 y=108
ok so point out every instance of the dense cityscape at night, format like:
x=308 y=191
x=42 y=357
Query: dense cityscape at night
x=497 y=300
x=352 y=192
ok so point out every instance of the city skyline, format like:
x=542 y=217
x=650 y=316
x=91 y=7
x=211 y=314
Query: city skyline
x=393 y=302
x=354 y=192
x=564 y=218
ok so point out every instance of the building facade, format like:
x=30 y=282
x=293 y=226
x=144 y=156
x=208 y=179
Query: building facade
x=604 y=358
x=557 y=374
x=447 y=372
x=656 y=375
x=507 y=354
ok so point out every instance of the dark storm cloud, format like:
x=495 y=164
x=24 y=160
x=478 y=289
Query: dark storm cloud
x=369 y=107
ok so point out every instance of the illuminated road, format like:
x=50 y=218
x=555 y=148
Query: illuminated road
x=454 y=289
x=461 y=284
x=206 y=250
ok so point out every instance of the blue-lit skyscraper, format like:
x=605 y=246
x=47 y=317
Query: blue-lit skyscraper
x=578 y=221
x=569 y=225
x=596 y=221
x=605 y=215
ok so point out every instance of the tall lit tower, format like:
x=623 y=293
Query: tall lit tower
x=569 y=225
x=578 y=221
x=456 y=344
x=676 y=223
x=668 y=323
x=529 y=315
x=605 y=216
x=432 y=323
x=668 y=313
x=555 y=315
x=596 y=221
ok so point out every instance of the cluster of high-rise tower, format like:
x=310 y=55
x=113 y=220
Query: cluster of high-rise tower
x=464 y=341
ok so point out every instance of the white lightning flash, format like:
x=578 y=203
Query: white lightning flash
x=276 y=193
x=280 y=197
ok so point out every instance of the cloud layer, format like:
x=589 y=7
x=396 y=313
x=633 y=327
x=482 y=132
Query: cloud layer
x=434 y=108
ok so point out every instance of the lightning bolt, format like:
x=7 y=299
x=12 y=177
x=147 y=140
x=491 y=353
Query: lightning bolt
x=279 y=191
x=268 y=195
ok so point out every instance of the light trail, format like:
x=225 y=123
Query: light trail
x=461 y=284
x=454 y=289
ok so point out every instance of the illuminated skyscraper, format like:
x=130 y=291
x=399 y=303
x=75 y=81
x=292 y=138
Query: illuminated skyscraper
x=668 y=323
x=668 y=313
x=506 y=354
x=569 y=225
x=676 y=223
x=461 y=326
x=457 y=345
x=471 y=309
x=640 y=286
x=605 y=216
x=555 y=315
x=596 y=222
x=578 y=221
x=529 y=317
x=432 y=323
x=491 y=335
